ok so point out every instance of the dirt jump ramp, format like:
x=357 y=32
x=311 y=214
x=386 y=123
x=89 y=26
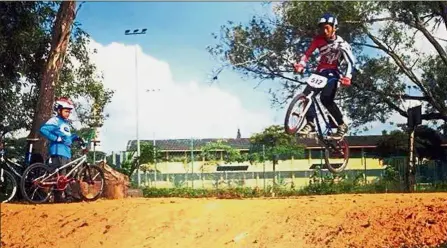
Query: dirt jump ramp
x=376 y=220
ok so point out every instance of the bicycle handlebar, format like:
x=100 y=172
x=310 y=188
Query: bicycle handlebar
x=296 y=73
x=5 y=131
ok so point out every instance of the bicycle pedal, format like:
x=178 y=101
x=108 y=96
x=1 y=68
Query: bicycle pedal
x=312 y=135
x=308 y=136
x=333 y=138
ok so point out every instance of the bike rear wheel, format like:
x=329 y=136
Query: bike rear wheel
x=30 y=184
x=295 y=112
x=91 y=177
x=336 y=155
x=8 y=186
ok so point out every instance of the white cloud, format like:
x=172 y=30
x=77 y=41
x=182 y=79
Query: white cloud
x=178 y=110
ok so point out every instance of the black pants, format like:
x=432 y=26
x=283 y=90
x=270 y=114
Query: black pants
x=327 y=96
x=57 y=162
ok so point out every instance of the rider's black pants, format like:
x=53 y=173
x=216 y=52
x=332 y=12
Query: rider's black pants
x=327 y=97
x=56 y=162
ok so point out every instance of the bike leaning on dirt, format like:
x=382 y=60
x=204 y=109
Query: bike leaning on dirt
x=39 y=181
x=336 y=151
x=9 y=172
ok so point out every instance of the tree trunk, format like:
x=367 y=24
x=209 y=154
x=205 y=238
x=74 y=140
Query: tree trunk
x=59 y=43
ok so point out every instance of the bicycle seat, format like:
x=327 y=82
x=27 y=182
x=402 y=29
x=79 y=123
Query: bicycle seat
x=32 y=139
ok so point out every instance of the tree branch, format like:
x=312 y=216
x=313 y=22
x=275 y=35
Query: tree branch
x=408 y=97
x=434 y=116
x=406 y=70
x=364 y=44
x=271 y=72
x=386 y=100
x=440 y=38
x=258 y=84
x=395 y=107
x=382 y=19
x=418 y=25
x=415 y=62
x=215 y=75
x=79 y=8
x=433 y=41
x=372 y=20
x=429 y=19
x=250 y=61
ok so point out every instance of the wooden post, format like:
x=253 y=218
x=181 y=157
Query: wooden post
x=414 y=119
x=411 y=180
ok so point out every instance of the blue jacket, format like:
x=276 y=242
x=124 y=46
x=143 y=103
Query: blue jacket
x=53 y=129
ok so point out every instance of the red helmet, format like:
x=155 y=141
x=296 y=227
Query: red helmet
x=63 y=103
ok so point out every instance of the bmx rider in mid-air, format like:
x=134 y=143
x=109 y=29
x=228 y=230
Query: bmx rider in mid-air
x=331 y=48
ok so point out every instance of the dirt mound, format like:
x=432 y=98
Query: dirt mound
x=391 y=220
x=116 y=183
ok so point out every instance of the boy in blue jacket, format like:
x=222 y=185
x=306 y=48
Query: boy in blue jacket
x=57 y=131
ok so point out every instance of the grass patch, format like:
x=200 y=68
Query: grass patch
x=319 y=184
x=432 y=187
x=319 y=188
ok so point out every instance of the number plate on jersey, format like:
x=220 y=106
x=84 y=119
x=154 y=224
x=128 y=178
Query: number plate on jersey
x=317 y=81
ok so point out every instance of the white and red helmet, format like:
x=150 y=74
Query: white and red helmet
x=63 y=103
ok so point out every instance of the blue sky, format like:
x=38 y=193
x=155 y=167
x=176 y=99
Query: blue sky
x=178 y=34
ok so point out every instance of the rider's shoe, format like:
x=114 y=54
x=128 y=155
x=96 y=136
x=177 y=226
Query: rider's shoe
x=341 y=132
x=58 y=198
x=69 y=199
x=308 y=128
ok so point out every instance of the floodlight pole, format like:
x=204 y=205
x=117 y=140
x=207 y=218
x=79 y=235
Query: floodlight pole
x=137 y=32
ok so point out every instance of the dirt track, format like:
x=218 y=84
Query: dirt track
x=322 y=221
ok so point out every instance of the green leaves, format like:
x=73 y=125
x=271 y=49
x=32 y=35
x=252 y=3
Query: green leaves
x=396 y=143
x=213 y=151
x=275 y=144
x=147 y=153
x=25 y=35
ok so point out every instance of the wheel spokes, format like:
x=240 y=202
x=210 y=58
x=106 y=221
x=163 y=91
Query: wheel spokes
x=91 y=183
x=35 y=188
x=337 y=154
x=296 y=117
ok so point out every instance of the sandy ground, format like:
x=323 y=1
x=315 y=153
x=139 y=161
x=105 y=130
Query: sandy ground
x=381 y=220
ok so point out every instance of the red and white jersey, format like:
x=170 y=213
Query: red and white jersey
x=330 y=53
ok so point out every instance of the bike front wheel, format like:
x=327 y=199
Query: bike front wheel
x=8 y=186
x=91 y=182
x=34 y=189
x=336 y=155
x=295 y=116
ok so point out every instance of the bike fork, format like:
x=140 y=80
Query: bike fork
x=310 y=100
